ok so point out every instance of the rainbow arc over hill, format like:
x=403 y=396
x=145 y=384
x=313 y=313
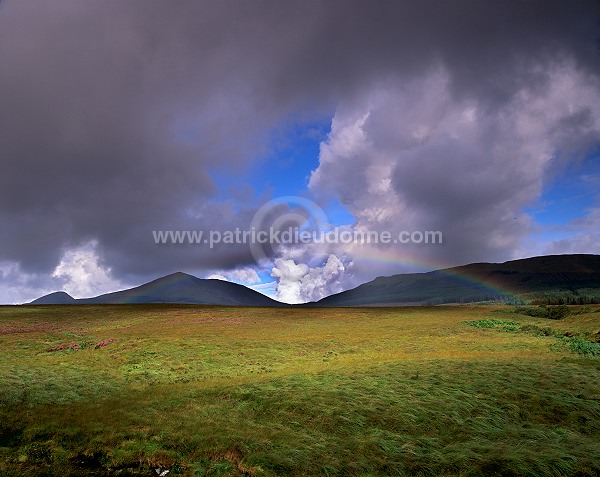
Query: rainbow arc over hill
x=404 y=262
x=424 y=266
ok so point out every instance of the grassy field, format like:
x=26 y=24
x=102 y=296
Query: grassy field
x=139 y=390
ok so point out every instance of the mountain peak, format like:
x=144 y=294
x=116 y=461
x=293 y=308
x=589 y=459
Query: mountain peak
x=178 y=287
x=56 y=298
x=179 y=275
x=466 y=283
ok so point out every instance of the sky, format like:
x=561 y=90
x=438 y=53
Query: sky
x=121 y=118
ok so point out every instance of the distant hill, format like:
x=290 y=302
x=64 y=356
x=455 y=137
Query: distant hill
x=175 y=288
x=548 y=279
x=543 y=279
x=56 y=298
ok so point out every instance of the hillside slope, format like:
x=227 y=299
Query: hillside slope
x=177 y=288
x=571 y=274
x=477 y=282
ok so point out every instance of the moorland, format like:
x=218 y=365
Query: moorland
x=207 y=390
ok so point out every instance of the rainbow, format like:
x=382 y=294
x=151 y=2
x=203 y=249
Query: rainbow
x=408 y=264
x=424 y=266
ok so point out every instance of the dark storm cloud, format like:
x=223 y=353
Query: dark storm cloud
x=114 y=113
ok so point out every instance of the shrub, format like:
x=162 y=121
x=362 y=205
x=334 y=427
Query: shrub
x=38 y=453
x=558 y=312
x=538 y=331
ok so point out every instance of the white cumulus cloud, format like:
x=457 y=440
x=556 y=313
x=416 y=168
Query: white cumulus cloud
x=300 y=283
x=82 y=273
x=245 y=276
x=414 y=156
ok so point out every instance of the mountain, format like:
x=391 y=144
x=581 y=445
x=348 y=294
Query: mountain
x=175 y=288
x=56 y=298
x=570 y=276
x=530 y=277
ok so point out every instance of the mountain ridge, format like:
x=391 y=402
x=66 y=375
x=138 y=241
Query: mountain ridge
x=178 y=287
x=481 y=281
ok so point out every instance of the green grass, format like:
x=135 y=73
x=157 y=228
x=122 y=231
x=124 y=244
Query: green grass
x=297 y=392
x=510 y=326
x=578 y=345
x=573 y=343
